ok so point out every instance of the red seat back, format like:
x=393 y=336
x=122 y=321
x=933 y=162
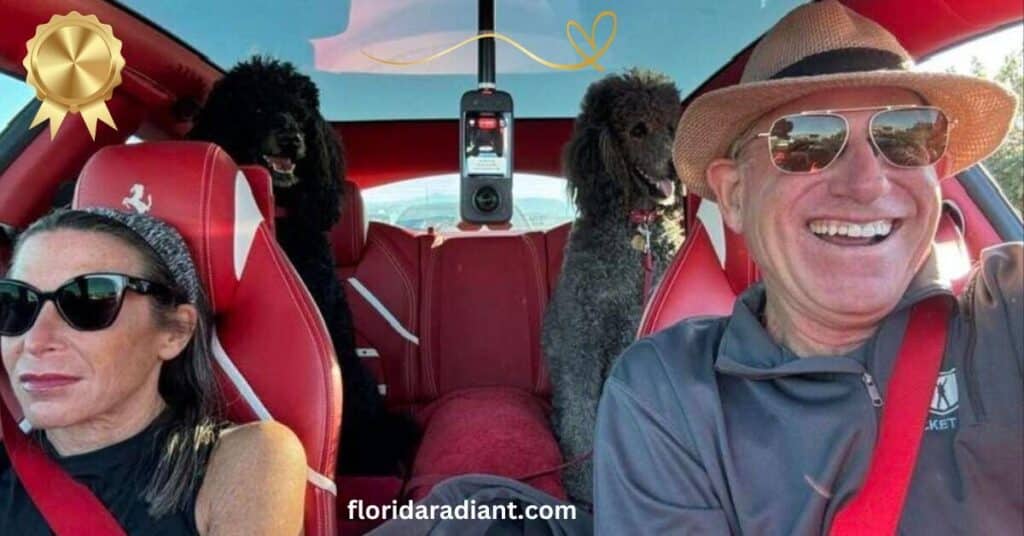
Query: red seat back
x=348 y=236
x=271 y=344
x=483 y=301
x=379 y=268
x=438 y=313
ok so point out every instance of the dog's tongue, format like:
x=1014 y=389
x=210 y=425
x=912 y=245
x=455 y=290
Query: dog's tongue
x=666 y=187
x=281 y=164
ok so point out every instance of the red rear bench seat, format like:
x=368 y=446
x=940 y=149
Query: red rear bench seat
x=451 y=325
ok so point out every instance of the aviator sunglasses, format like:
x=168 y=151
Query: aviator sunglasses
x=89 y=302
x=809 y=142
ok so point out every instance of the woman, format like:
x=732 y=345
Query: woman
x=105 y=334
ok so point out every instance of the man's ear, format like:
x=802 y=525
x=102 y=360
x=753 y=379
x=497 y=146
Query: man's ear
x=178 y=333
x=723 y=176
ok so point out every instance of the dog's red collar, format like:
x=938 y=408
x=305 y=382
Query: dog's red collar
x=643 y=217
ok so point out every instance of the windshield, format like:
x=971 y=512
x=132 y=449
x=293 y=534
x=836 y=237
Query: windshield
x=333 y=41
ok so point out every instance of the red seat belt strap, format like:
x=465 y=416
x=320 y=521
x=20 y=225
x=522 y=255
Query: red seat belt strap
x=877 y=508
x=68 y=506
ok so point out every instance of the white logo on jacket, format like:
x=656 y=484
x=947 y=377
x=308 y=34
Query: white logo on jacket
x=946 y=398
x=134 y=199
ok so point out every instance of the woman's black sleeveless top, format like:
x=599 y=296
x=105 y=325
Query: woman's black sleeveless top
x=117 y=475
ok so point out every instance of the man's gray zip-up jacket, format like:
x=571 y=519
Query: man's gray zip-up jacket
x=710 y=427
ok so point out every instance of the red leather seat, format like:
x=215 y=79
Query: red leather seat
x=453 y=323
x=379 y=268
x=480 y=361
x=385 y=319
x=483 y=301
x=270 y=342
x=420 y=300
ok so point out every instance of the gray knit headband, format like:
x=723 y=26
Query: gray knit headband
x=165 y=241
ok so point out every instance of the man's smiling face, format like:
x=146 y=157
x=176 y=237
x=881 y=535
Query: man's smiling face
x=803 y=229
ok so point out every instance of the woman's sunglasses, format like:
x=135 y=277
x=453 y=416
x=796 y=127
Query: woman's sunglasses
x=809 y=142
x=89 y=302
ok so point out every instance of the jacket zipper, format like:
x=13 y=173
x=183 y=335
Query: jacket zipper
x=869 y=382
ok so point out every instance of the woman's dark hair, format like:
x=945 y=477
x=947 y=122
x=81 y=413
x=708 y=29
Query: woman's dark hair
x=187 y=383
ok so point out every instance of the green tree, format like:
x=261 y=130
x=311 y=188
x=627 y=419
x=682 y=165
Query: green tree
x=1007 y=164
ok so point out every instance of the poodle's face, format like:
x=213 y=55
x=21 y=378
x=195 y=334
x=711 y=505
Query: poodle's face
x=641 y=122
x=621 y=153
x=283 y=144
x=264 y=112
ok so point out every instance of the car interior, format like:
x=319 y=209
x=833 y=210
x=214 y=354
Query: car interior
x=449 y=321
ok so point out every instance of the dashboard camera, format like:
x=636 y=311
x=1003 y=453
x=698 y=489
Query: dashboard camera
x=485 y=139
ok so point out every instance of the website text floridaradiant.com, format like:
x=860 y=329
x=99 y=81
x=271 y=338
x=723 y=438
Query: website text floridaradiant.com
x=467 y=510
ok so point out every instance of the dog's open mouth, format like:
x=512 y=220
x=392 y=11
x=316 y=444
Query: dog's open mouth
x=283 y=170
x=280 y=164
x=661 y=189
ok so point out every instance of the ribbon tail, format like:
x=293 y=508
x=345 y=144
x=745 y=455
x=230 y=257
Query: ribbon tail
x=52 y=111
x=96 y=111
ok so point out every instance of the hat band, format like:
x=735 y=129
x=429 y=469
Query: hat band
x=844 y=60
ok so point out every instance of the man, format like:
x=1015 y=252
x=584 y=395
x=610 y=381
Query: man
x=827 y=159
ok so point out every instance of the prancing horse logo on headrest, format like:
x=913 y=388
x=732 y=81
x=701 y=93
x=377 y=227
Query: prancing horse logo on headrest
x=134 y=199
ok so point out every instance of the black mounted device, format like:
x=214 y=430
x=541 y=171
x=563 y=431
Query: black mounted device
x=485 y=139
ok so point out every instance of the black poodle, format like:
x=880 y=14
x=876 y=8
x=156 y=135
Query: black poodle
x=619 y=167
x=264 y=112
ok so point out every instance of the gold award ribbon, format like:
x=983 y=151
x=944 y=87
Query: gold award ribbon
x=589 y=60
x=74 y=62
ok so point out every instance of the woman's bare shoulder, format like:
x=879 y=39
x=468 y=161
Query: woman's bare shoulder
x=255 y=482
x=270 y=437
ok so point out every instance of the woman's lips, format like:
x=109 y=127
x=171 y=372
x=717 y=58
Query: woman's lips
x=42 y=383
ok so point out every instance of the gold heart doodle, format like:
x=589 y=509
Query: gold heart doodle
x=589 y=60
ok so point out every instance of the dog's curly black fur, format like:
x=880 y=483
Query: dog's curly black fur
x=264 y=112
x=618 y=161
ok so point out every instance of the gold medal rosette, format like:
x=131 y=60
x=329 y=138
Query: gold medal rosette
x=74 y=62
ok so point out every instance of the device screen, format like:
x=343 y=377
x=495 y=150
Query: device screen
x=486 y=140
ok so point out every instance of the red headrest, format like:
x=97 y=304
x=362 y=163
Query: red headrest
x=270 y=341
x=348 y=236
x=195 y=187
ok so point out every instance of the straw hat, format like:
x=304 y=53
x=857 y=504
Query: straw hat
x=824 y=46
